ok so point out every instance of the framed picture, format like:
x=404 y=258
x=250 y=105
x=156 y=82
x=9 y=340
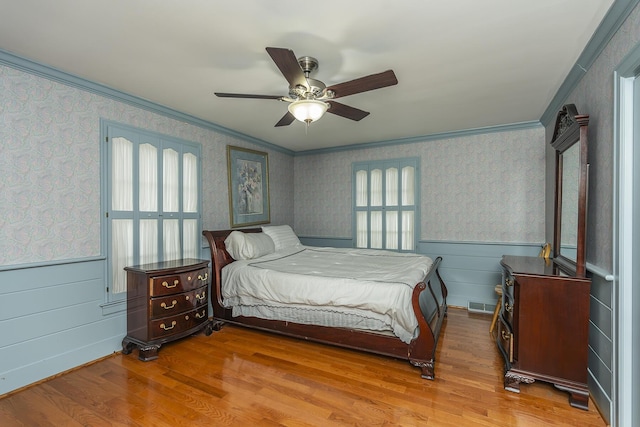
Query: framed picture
x=248 y=186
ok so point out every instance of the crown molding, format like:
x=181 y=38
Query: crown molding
x=425 y=138
x=17 y=62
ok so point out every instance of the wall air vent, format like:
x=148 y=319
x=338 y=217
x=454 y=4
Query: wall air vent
x=480 y=307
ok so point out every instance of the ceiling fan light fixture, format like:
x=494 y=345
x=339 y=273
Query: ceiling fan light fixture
x=308 y=110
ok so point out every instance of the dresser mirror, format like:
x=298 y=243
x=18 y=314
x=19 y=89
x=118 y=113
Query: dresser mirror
x=570 y=142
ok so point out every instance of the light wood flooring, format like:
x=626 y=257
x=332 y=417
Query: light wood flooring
x=239 y=377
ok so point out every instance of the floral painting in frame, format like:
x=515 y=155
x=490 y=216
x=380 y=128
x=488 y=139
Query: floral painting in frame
x=248 y=172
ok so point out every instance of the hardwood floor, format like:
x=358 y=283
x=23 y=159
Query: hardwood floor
x=239 y=377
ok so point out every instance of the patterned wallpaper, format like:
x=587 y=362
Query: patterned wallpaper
x=50 y=168
x=488 y=187
x=594 y=95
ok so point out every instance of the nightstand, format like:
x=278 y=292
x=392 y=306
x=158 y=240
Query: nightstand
x=165 y=301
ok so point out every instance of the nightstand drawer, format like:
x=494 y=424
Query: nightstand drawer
x=173 y=284
x=174 y=325
x=177 y=303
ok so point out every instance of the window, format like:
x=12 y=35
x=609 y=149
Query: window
x=385 y=204
x=153 y=201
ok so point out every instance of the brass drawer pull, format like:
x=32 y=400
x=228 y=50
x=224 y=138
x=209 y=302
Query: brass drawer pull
x=200 y=316
x=168 y=286
x=505 y=335
x=166 y=328
x=168 y=307
x=508 y=307
x=509 y=281
x=201 y=297
x=203 y=278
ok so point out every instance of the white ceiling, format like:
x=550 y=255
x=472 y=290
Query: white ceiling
x=461 y=64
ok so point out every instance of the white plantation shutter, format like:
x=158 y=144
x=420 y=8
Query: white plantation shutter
x=153 y=201
x=385 y=204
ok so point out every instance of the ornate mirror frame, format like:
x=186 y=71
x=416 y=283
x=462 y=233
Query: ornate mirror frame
x=571 y=133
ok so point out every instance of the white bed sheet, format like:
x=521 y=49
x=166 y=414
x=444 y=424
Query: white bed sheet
x=306 y=284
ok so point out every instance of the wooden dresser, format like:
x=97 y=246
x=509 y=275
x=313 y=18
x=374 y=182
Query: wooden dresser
x=165 y=301
x=543 y=328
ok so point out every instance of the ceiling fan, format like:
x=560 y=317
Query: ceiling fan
x=309 y=98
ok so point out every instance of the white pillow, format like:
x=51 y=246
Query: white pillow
x=248 y=245
x=282 y=235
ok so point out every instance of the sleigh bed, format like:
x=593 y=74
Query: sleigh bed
x=396 y=311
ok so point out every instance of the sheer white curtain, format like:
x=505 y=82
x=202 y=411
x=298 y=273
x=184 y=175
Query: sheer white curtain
x=392 y=230
x=376 y=229
x=191 y=238
x=148 y=178
x=121 y=252
x=148 y=241
x=376 y=187
x=408 y=230
x=189 y=183
x=148 y=202
x=170 y=182
x=408 y=199
x=361 y=188
x=171 y=239
x=392 y=187
x=121 y=200
x=121 y=175
x=170 y=203
x=408 y=184
x=375 y=225
x=362 y=231
x=362 y=197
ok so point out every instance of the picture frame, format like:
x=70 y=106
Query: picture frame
x=248 y=176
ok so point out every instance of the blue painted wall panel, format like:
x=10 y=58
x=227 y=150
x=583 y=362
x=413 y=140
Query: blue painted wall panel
x=52 y=320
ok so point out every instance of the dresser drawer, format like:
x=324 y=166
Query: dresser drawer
x=173 y=284
x=507 y=309
x=173 y=325
x=505 y=340
x=174 y=304
x=508 y=285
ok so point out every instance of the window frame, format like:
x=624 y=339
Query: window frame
x=138 y=136
x=383 y=165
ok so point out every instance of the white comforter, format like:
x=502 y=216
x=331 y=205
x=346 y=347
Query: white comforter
x=358 y=282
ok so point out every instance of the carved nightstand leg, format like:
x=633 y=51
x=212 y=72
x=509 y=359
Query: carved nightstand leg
x=208 y=330
x=127 y=346
x=512 y=381
x=217 y=325
x=148 y=352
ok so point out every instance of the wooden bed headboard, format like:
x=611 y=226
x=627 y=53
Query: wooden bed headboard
x=219 y=255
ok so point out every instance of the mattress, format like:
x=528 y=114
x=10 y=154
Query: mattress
x=338 y=287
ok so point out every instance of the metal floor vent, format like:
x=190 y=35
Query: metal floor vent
x=480 y=307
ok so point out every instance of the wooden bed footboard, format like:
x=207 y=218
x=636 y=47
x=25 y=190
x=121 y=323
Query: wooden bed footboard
x=429 y=301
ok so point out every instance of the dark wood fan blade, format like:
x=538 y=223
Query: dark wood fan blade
x=364 y=84
x=287 y=62
x=346 y=111
x=286 y=120
x=242 y=95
